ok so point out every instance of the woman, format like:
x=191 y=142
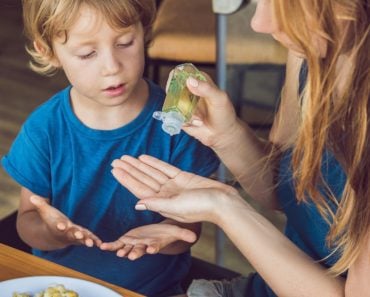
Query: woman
x=315 y=166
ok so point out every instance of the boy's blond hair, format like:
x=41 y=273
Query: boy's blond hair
x=44 y=20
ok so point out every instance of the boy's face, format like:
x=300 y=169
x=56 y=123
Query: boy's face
x=104 y=66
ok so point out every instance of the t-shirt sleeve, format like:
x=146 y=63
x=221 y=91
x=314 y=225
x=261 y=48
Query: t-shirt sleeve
x=27 y=162
x=191 y=155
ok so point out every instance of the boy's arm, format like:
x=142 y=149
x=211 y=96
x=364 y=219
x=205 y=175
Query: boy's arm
x=181 y=246
x=44 y=227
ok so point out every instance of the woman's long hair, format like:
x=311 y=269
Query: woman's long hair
x=335 y=114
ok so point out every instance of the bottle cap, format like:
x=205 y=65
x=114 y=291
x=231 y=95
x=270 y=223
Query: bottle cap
x=172 y=121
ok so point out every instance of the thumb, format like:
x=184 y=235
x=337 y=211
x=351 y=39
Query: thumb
x=205 y=89
x=40 y=203
x=186 y=235
x=37 y=201
x=163 y=206
x=153 y=204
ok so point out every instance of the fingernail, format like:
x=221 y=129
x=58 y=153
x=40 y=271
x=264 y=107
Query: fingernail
x=140 y=206
x=197 y=123
x=78 y=235
x=193 y=82
x=61 y=226
x=89 y=242
x=33 y=199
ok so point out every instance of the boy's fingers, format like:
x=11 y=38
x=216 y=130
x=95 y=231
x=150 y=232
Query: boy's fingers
x=187 y=235
x=89 y=242
x=153 y=248
x=112 y=246
x=124 y=250
x=78 y=235
x=39 y=202
x=61 y=226
x=137 y=251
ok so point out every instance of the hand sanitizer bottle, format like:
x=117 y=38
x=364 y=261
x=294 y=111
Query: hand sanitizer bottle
x=179 y=103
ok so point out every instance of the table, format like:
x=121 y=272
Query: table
x=15 y=263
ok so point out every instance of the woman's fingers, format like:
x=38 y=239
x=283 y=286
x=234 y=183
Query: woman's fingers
x=150 y=168
x=136 y=187
x=161 y=166
x=137 y=181
x=207 y=90
x=141 y=171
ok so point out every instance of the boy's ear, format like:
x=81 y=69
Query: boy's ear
x=41 y=51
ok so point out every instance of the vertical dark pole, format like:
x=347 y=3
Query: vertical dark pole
x=221 y=36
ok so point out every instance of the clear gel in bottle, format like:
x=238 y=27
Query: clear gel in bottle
x=179 y=103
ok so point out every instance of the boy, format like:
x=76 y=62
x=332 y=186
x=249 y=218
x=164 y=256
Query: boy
x=64 y=149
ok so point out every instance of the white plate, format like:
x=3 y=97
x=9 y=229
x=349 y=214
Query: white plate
x=36 y=284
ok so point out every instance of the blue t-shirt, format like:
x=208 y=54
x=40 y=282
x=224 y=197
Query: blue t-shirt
x=305 y=226
x=58 y=157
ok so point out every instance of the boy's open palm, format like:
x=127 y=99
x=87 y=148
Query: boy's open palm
x=148 y=239
x=61 y=227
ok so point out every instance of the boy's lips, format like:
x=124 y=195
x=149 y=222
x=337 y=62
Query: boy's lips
x=116 y=90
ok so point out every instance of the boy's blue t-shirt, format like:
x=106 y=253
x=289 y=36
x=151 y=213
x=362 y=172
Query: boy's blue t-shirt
x=58 y=157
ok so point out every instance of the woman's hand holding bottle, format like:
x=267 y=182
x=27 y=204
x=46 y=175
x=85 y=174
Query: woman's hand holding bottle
x=215 y=120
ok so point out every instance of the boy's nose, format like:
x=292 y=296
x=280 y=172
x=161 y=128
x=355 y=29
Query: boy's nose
x=110 y=64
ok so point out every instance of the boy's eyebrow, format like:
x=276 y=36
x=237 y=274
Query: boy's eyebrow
x=88 y=42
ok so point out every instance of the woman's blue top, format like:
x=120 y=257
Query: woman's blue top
x=305 y=227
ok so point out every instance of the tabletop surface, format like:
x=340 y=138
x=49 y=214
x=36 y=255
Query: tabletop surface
x=15 y=263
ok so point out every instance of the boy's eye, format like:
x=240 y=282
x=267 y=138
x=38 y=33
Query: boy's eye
x=89 y=55
x=124 y=45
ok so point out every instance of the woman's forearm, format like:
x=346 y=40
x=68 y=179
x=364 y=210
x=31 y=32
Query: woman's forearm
x=286 y=269
x=247 y=158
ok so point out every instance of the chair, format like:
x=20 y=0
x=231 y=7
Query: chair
x=186 y=31
x=183 y=31
x=9 y=234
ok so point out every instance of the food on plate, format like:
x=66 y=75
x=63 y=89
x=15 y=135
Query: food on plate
x=52 y=291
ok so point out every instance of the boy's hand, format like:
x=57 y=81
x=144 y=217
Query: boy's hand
x=149 y=239
x=61 y=227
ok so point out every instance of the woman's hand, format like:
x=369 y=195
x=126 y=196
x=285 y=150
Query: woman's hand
x=148 y=239
x=215 y=119
x=61 y=228
x=176 y=194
